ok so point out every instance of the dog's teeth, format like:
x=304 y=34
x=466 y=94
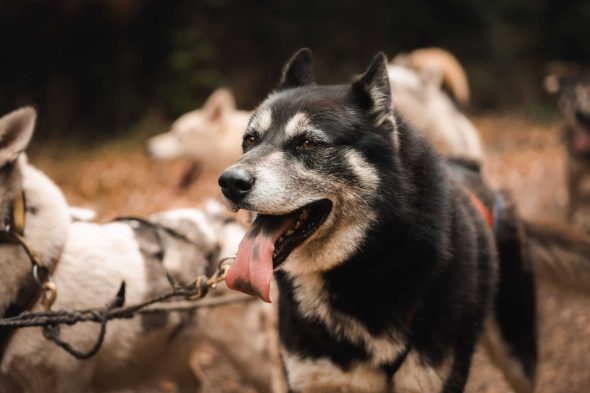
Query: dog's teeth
x=290 y=232
x=281 y=239
x=304 y=214
x=298 y=224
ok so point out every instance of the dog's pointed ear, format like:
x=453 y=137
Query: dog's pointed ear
x=373 y=93
x=16 y=131
x=373 y=90
x=298 y=71
x=219 y=103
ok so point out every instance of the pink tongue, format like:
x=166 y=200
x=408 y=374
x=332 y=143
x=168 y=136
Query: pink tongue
x=251 y=271
x=582 y=141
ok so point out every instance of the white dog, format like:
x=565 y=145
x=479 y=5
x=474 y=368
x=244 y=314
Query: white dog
x=90 y=261
x=416 y=82
x=209 y=136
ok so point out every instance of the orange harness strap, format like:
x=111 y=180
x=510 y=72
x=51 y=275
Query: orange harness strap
x=485 y=213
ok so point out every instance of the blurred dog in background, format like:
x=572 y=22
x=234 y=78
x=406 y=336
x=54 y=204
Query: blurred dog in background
x=418 y=80
x=209 y=137
x=574 y=104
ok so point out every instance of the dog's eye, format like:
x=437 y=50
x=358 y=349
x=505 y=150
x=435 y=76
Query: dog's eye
x=307 y=144
x=249 y=140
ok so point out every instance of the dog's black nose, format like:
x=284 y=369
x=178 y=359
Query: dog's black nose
x=235 y=183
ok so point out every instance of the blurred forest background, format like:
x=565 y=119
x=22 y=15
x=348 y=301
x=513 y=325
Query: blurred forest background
x=99 y=68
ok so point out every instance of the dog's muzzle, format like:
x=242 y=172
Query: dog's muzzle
x=236 y=183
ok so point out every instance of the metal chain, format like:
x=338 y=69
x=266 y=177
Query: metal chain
x=41 y=273
x=51 y=320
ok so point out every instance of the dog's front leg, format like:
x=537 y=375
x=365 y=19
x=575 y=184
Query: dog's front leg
x=315 y=375
x=416 y=376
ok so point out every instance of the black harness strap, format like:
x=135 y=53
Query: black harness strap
x=14 y=221
x=29 y=291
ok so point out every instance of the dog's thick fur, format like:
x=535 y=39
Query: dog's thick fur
x=416 y=81
x=208 y=137
x=574 y=104
x=393 y=289
x=93 y=260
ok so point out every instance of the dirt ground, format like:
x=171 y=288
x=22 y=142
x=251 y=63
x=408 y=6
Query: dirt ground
x=522 y=156
x=529 y=160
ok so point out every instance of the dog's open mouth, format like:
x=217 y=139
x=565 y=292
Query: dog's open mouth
x=268 y=242
x=308 y=219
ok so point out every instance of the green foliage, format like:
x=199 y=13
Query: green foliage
x=190 y=70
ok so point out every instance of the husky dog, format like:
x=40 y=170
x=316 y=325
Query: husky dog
x=386 y=271
x=386 y=265
x=416 y=82
x=89 y=262
x=205 y=136
x=574 y=104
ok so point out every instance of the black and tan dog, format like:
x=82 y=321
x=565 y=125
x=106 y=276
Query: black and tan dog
x=390 y=261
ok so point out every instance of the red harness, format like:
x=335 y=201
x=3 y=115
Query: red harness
x=490 y=218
